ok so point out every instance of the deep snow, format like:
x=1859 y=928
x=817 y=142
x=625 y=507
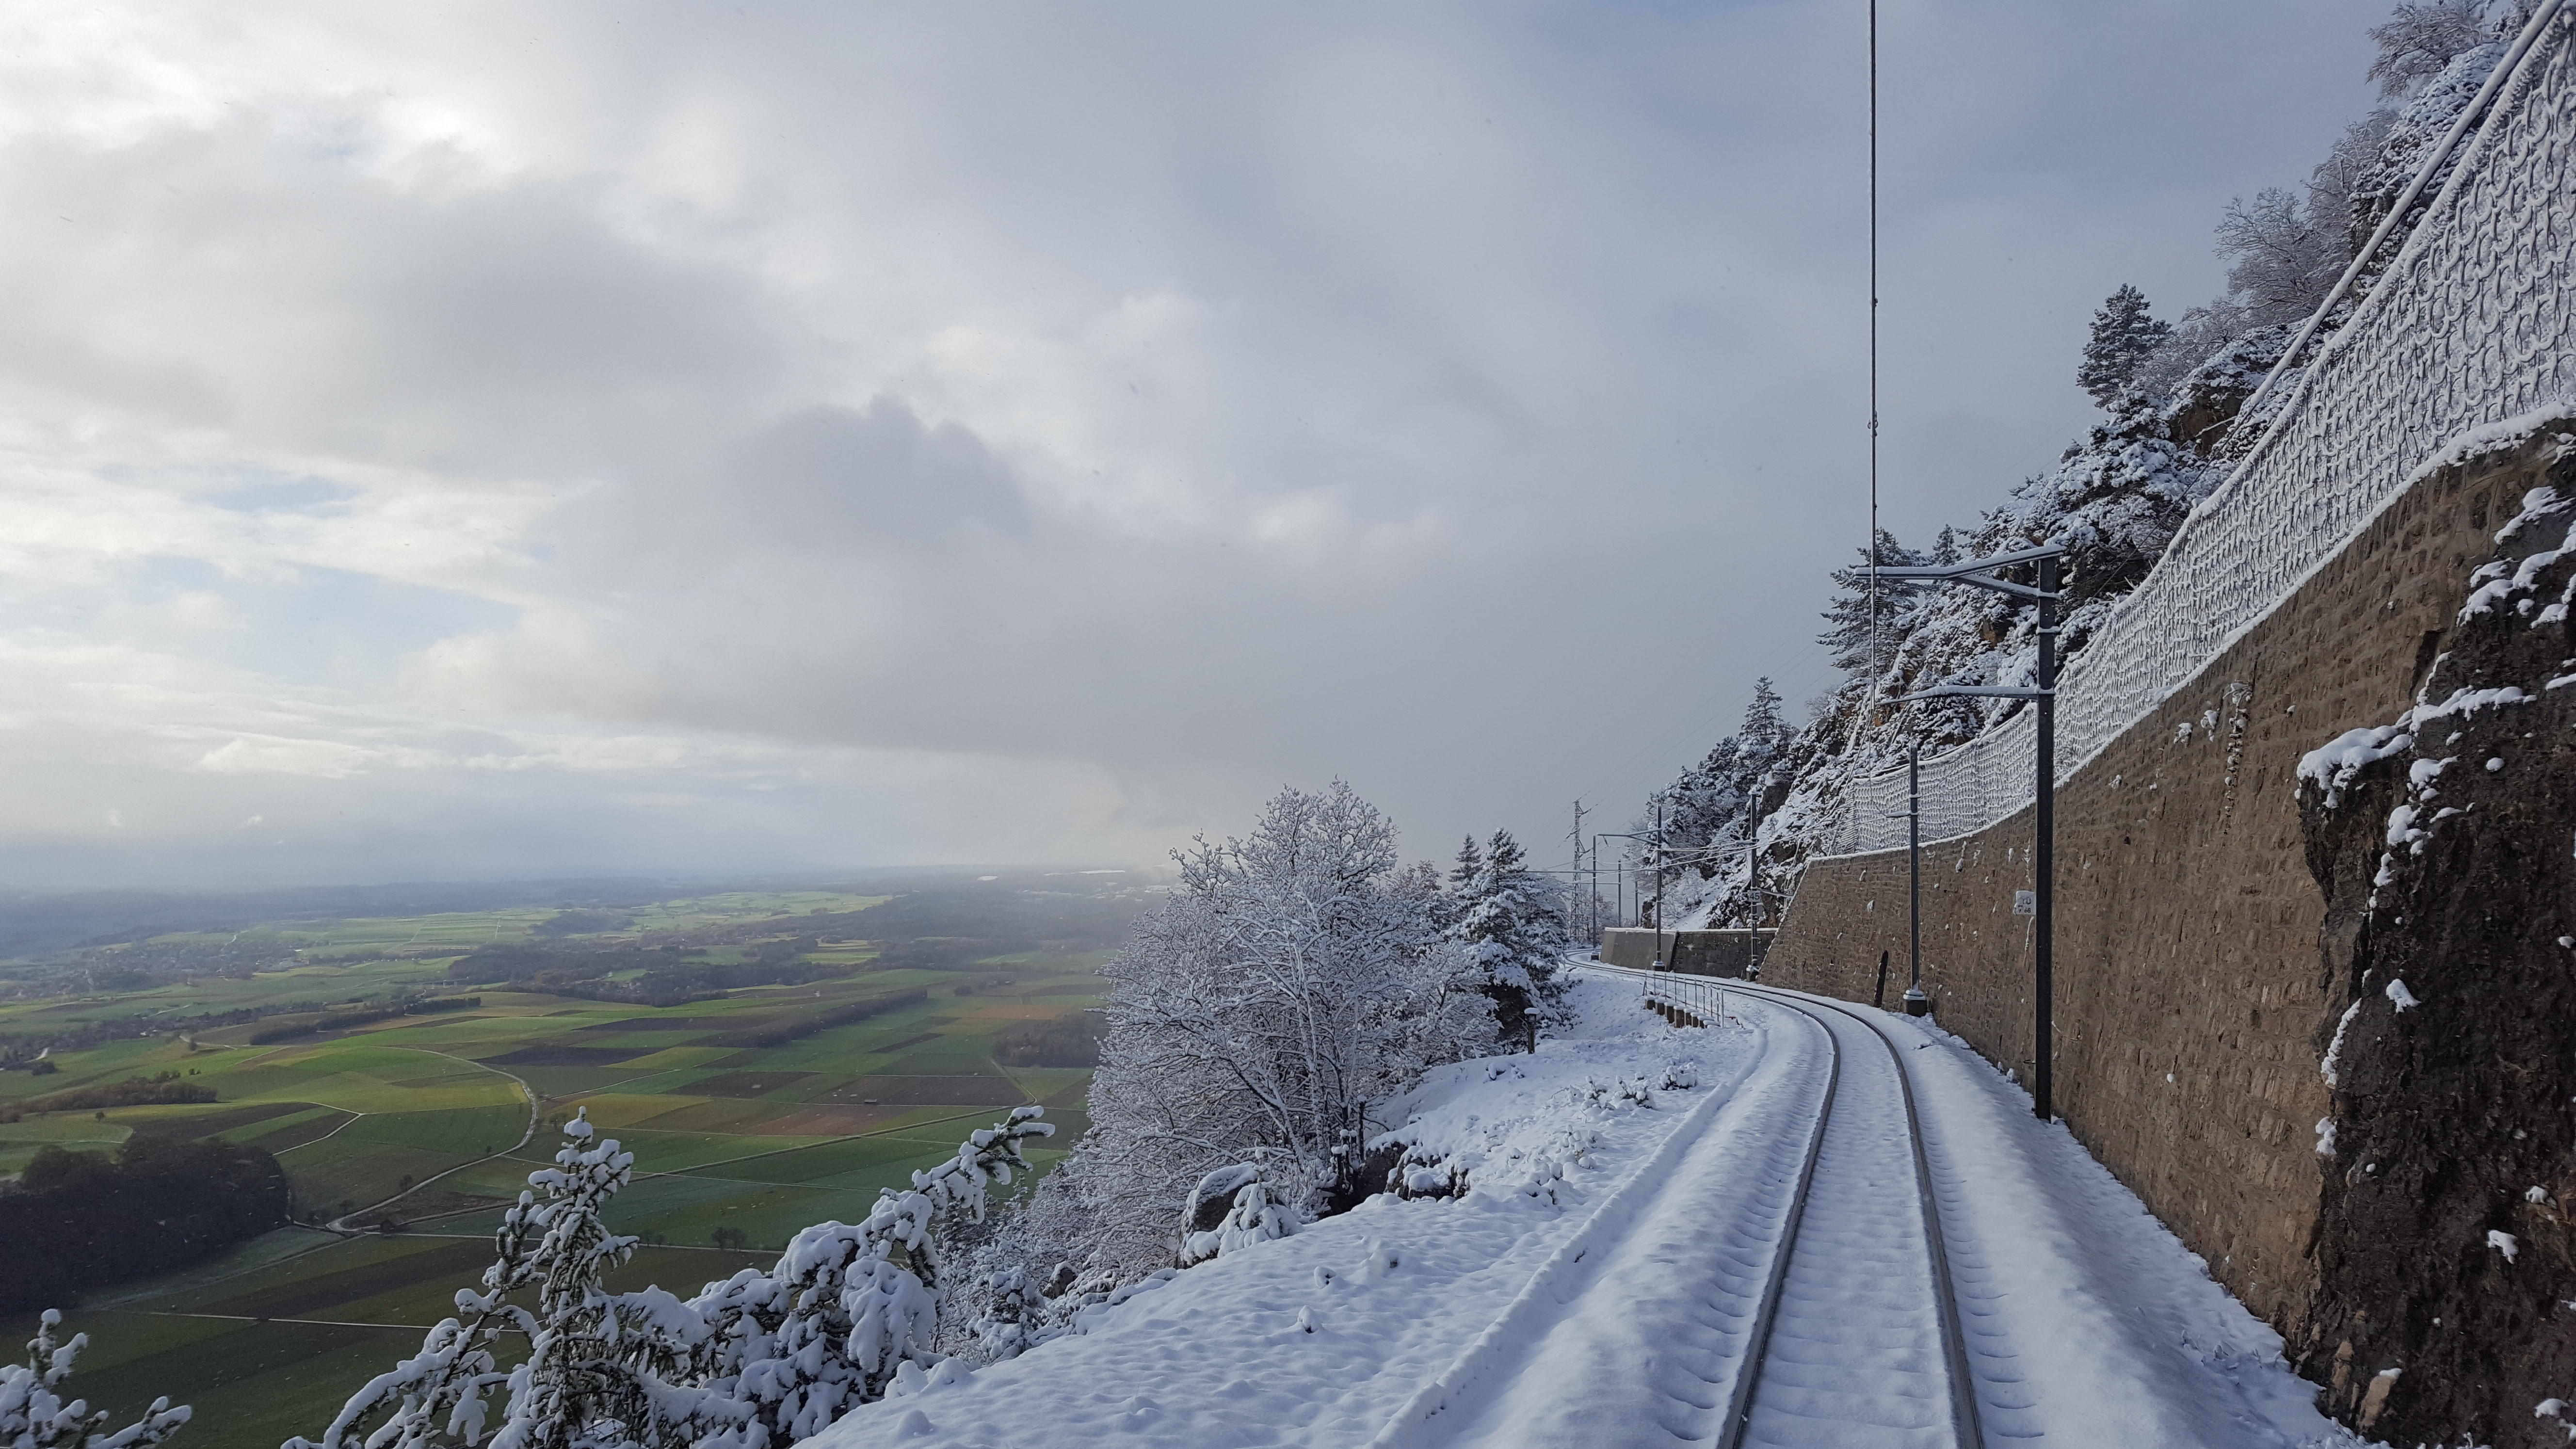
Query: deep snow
x=1537 y=1307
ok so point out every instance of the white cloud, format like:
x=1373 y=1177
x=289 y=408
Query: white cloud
x=321 y=759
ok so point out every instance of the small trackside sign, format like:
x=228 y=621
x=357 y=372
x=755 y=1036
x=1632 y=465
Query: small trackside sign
x=2025 y=903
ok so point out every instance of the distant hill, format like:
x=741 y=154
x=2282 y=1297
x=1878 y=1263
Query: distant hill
x=40 y=924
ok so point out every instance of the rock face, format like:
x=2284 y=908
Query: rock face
x=2213 y=928
x=2445 y=845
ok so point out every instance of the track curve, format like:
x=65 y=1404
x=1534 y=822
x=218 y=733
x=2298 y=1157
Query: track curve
x=1857 y=1340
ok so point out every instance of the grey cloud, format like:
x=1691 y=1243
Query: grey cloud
x=1031 y=430
x=874 y=479
x=224 y=277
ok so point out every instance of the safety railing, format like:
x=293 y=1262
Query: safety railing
x=1687 y=1000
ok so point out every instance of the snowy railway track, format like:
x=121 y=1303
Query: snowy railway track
x=1855 y=1336
x=1664 y=1292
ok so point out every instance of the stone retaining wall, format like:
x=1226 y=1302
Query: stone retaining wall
x=1693 y=953
x=2191 y=984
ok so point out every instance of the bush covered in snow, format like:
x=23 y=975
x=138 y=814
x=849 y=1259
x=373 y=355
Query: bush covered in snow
x=1233 y=1207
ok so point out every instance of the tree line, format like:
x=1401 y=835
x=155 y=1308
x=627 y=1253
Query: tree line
x=80 y=1219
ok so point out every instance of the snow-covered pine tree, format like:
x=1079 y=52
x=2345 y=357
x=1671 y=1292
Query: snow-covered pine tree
x=758 y=1361
x=1849 y=631
x=35 y=1415
x=1509 y=920
x=1471 y=861
x=850 y=1308
x=594 y=1372
x=1446 y=904
x=1711 y=805
x=2124 y=338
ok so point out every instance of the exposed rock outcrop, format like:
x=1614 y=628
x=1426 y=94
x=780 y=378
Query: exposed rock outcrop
x=2442 y=841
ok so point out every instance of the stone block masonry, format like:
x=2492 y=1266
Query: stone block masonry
x=2198 y=974
x=1692 y=953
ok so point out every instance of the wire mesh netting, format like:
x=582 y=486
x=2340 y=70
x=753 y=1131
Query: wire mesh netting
x=2469 y=326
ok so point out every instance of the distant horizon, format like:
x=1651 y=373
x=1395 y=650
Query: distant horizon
x=656 y=878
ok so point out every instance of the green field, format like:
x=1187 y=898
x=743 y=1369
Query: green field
x=412 y=1129
x=272 y=1349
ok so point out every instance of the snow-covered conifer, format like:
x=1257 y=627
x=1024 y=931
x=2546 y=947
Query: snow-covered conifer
x=596 y=1365
x=837 y=1320
x=34 y=1414
x=1509 y=921
x=1711 y=806
x=758 y=1361
x=2124 y=338
x=1849 y=629
x=1471 y=860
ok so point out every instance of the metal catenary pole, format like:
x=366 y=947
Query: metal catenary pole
x=1916 y=1003
x=1753 y=847
x=1592 y=894
x=1980 y=572
x=1574 y=877
x=1659 y=882
x=1624 y=886
x=2043 y=1102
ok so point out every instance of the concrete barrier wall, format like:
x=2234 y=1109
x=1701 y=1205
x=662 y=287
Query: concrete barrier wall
x=1693 y=953
x=2191 y=983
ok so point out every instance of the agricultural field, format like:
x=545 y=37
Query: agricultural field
x=752 y=1112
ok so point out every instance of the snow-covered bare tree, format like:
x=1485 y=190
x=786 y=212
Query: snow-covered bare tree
x=2282 y=257
x=2433 y=59
x=1294 y=977
x=34 y=1414
x=2419 y=40
x=2124 y=338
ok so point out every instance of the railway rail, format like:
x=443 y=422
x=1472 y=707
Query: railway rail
x=1855 y=1338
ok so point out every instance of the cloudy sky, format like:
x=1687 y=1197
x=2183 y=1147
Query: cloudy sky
x=476 y=440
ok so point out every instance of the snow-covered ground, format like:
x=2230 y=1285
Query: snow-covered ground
x=1563 y=1297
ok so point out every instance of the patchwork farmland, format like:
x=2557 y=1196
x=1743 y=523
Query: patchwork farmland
x=752 y=1111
